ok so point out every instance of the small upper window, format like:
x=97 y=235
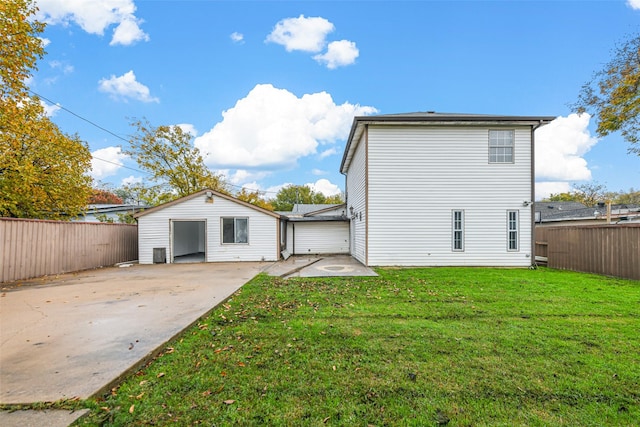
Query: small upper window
x=235 y=230
x=501 y=146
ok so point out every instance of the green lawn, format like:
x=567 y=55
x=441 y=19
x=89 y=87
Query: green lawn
x=413 y=347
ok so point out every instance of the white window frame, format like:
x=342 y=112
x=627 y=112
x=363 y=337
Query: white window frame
x=457 y=230
x=499 y=145
x=235 y=230
x=513 y=231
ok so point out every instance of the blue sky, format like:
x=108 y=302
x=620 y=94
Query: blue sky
x=269 y=88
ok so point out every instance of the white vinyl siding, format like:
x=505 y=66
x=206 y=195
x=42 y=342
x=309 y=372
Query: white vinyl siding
x=356 y=199
x=417 y=173
x=154 y=230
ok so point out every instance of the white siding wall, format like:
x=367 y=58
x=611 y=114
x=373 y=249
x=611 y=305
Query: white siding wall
x=326 y=237
x=154 y=230
x=418 y=175
x=356 y=198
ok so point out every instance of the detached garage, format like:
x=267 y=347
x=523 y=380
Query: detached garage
x=313 y=229
x=208 y=226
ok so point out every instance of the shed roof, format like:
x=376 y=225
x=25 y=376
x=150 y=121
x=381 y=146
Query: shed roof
x=433 y=118
x=201 y=193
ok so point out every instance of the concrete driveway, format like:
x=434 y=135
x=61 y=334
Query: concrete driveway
x=74 y=335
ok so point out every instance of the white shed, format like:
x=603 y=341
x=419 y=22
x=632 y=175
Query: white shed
x=207 y=226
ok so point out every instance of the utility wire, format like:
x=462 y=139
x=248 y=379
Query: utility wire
x=127 y=141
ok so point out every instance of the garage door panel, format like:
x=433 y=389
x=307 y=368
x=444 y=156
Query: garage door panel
x=322 y=237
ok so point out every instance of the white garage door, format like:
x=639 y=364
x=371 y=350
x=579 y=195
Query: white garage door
x=330 y=237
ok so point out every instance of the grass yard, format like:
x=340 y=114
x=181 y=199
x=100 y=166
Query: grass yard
x=413 y=347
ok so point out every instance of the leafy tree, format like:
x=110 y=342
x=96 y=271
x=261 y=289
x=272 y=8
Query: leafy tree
x=43 y=172
x=589 y=194
x=254 y=198
x=336 y=199
x=613 y=94
x=561 y=197
x=105 y=218
x=102 y=197
x=176 y=167
x=632 y=197
x=292 y=194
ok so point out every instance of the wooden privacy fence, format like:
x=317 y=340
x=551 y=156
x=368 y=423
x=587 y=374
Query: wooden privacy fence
x=612 y=250
x=33 y=248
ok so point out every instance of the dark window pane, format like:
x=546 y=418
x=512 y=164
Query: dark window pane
x=227 y=230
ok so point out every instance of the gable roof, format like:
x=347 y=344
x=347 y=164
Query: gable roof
x=432 y=118
x=201 y=193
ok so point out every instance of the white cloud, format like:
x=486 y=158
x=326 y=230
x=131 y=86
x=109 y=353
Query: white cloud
x=318 y=172
x=560 y=146
x=634 y=4
x=188 y=128
x=338 y=54
x=62 y=66
x=242 y=176
x=325 y=187
x=329 y=152
x=131 y=180
x=126 y=86
x=305 y=34
x=272 y=128
x=106 y=162
x=252 y=186
x=545 y=189
x=50 y=110
x=237 y=37
x=45 y=42
x=95 y=17
x=272 y=191
x=128 y=32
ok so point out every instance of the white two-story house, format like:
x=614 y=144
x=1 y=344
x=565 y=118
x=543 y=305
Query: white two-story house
x=434 y=189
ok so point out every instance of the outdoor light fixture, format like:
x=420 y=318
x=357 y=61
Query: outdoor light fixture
x=526 y=203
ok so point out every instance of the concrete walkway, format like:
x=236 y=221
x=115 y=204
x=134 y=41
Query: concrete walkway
x=319 y=266
x=75 y=335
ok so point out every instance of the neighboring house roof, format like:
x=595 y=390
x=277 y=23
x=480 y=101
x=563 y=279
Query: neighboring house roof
x=432 y=118
x=201 y=193
x=574 y=211
x=308 y=212
x=108 y=208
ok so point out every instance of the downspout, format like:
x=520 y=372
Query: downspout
x=293 y=237
x=533 y=191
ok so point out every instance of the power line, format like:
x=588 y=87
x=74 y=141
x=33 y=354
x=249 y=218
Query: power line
x=79 y=116
x=127 y=141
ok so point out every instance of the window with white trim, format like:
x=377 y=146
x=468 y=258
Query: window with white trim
x=513 y=231
x=501 y=142
x=457 y=230
x=235 y=230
